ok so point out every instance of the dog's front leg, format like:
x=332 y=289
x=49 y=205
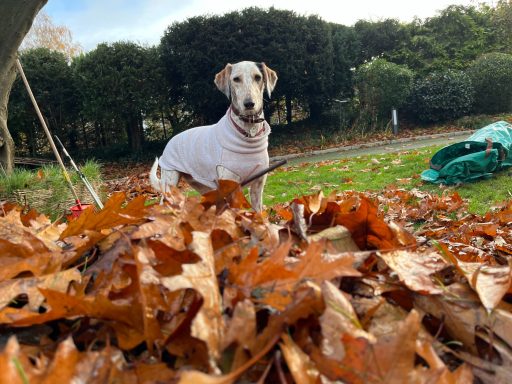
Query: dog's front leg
x=256 y=193
x=169 y=178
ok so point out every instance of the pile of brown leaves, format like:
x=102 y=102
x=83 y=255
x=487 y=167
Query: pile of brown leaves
x=324 y=289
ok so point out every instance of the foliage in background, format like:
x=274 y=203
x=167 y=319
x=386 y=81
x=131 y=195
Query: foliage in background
x=381 y=86
x=54 y=87
x=117 y=83
x=131 y=94
x=45 y=34
x=501 y=18
x=491 y=75
x=298 y=48
x=440 y=96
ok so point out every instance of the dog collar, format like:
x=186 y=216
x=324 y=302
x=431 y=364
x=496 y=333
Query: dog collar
x=243 y=131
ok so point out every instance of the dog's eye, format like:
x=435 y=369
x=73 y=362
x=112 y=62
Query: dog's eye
x=236 y=79
x=257 y=78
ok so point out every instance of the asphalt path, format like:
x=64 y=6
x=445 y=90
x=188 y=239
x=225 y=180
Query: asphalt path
x=375 y=148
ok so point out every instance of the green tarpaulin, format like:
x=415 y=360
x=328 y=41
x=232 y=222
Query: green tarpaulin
x=486 y=151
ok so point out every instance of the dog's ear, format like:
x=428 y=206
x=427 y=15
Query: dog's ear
x=270 y=77
x=222 y=80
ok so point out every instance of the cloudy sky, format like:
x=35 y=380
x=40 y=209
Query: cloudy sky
x=144 y=21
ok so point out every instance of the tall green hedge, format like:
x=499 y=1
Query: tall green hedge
x=491 y=75
x=440 y=96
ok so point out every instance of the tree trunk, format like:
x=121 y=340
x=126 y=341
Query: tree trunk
x=84 y=133
x=163 y=123
x=288 y=110
x=315 y=110
x=134 y=133
x=17 y=17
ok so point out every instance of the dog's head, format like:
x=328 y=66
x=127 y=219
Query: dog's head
x=244 y=83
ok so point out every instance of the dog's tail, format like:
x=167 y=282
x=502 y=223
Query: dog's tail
x=155 y=182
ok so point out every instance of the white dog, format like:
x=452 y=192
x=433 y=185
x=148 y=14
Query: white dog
x=235 y=148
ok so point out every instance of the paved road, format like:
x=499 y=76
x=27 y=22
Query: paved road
x=376 y=148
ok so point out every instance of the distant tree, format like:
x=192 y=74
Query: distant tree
x=502 y=25
x=319 y=86
x=45 y=34
x=462 y=33
x=418 y=50
x=378 y=39
x=381 y=85
x=345 y=57
x=491 y=75
x=448 y=40
x=115 y=82
x=299 y=49
x=17 y=17
x=52 y=83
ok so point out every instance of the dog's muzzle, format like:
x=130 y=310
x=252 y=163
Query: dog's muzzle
x=252 y=119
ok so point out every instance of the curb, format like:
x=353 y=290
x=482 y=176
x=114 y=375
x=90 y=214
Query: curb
x=369 y=145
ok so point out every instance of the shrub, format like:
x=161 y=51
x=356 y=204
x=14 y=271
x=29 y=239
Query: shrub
x=381 y=85
x=440 y=96
x=491 y=75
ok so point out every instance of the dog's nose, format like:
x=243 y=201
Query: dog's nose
x=248 y=104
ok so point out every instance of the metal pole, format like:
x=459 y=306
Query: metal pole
x=394 y=118
x=47 y=131
x=261 y=173
x=81 y=174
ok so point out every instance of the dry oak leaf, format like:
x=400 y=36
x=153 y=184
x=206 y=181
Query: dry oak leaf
x=306 y=302
x=360 y=216
x=30 y=286
x=242 y=325
x=125 y=315
x=21 y=250
x=208 y=325
x=112 y=215
x=302 y=369
x=490 y=282
x=338 y=318
x=68 y=365
x=463 y=313
x=277 y=274
x=163 y=228
x=149 y=295
x=390 y=360
x=229 y=193
x=415 y=269
x=461 y=375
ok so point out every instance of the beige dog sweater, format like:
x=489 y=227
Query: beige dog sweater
x=198 y=151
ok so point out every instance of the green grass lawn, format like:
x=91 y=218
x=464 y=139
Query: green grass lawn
x=374 y=173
